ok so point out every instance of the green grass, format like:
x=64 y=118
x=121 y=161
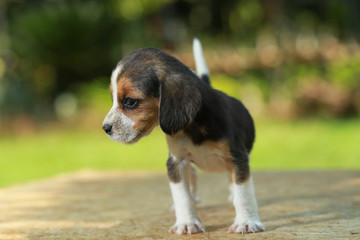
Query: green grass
x=307 y=145
x=299 y=145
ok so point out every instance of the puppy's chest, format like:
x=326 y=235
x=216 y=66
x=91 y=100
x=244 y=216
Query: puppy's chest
x=208 y=156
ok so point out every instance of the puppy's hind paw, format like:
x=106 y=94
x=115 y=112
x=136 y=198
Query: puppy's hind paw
x=248 y=227
x=187 y=228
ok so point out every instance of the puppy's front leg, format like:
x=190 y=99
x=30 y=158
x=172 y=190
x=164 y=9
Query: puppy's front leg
x=187 y=221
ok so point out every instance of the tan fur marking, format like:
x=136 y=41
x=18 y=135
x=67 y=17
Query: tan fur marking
x=209 y=156
x=237 y=174
x=223 y=147
x=203 y=130
x=239 y=179
x=145 y=115
x=126 y=88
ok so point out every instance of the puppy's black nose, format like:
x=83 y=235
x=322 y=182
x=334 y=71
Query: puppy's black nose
x=107 y=128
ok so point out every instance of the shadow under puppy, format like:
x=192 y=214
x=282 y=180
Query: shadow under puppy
x=203 y=127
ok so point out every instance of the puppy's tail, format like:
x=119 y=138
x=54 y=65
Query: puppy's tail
x=201 y=69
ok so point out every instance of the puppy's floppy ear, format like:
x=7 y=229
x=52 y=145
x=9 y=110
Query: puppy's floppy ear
x=180 y=101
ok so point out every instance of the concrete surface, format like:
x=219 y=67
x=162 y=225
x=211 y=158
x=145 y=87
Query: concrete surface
x=117 y=205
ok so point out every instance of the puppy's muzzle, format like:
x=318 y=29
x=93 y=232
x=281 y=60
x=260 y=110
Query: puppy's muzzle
x=107 y=128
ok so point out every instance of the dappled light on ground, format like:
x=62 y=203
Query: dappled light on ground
x=118 y=205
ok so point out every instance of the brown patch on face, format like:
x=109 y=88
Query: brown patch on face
x=145 y=115
x=126 y=89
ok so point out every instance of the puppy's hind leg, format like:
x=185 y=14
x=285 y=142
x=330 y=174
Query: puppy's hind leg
x=247 y=219
x=193 y=184
x=231 y=189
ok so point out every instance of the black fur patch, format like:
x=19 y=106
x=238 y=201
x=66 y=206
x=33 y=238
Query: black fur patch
x=179 y=104
x=224 y=117
x=205 y=78
x=209 y=123
x=241 y=168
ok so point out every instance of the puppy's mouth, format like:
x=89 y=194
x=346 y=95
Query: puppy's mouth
x=134 y=140
x=125 y=138
x=125 y=135
x=121 y=139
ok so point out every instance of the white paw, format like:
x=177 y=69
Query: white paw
x=187 y=228
x=251 y=226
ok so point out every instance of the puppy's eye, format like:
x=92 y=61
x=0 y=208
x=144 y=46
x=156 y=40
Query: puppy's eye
x=130 y=103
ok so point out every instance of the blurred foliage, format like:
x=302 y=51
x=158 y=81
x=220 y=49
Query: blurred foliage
x=299 y=57
x=56 y=46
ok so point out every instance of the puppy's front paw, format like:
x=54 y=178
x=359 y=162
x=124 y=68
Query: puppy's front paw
x=251 y=226
x=187 y=228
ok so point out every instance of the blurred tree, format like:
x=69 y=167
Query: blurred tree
x=59 y=44
x=55 y=46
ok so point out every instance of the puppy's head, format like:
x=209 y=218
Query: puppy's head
x=149 y=87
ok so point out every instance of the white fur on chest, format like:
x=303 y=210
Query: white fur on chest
x=209 y=156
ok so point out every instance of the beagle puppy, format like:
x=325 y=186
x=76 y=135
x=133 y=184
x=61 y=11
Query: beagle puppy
x=203 y=127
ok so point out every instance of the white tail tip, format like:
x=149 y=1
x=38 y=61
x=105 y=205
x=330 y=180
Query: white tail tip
x=200 y=63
